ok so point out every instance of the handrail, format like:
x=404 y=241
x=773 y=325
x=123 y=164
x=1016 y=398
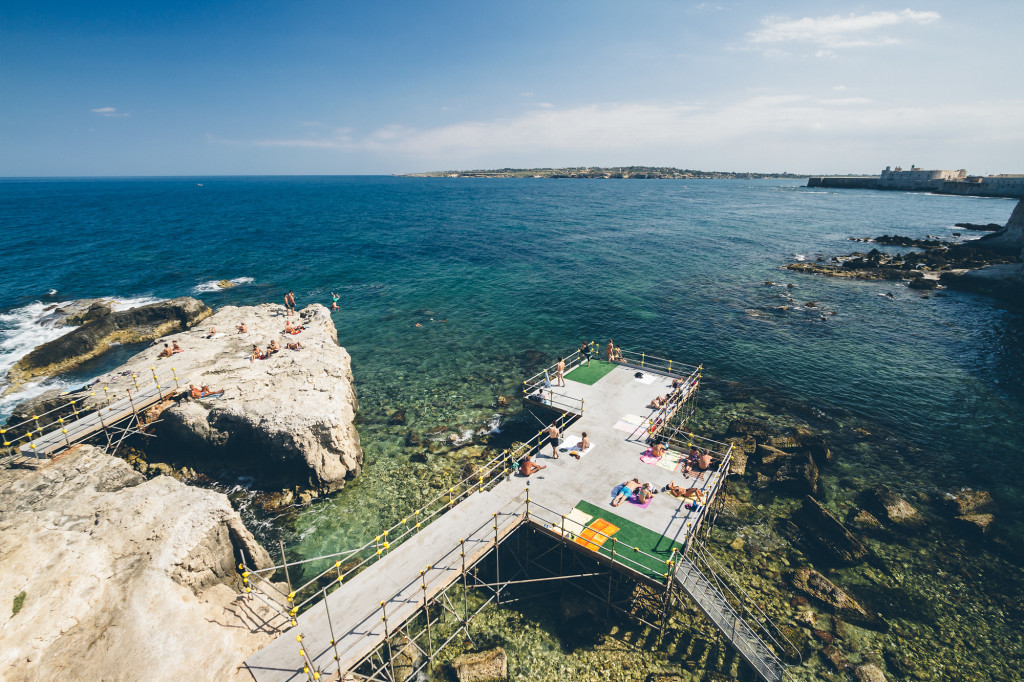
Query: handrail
x=499 y=467
x=78 y=402
x=620 y=558
x=746 y=603
x=676 y=399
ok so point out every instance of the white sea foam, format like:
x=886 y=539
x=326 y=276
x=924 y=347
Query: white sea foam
x=25 y=328
x=800 y=257
x=214 y=284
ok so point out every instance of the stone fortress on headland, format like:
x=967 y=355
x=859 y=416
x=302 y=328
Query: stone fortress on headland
x=936 y=181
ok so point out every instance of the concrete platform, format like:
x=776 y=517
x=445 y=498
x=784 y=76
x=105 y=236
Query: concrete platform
x=432 y=558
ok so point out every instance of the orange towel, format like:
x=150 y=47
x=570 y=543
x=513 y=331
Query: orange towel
x=595 y=536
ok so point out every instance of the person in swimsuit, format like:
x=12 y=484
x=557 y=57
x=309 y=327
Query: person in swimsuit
x=528 y=468
x=334 y=301
x=242 y=329
x=582 y=446
x=295 y=345
x=560 y=372
x=658 y=450
x=610 y=350
x=585 y=352
x=207 y=392
x=273 y=347
x=175 y=348
x=289 y=302
x=166 y=352
x=680 y=492
x=553 y=439
x=211 y=332
x=645 y=492
x=625 y=491
x=257 y=354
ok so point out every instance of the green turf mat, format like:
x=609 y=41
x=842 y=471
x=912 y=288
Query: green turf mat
x=632 y=535
x=591 y=375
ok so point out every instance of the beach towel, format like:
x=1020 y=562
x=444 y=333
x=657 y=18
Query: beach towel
x=648 y=458
x=572 y=445
x=631 y=422
x=671 y=460
x=596 y=535
x=642 y=505
x=574 y=523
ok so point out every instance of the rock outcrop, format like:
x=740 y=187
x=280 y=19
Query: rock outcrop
x=829 y=535
x=815 y=585
x=102 y=328
x=122 y=577
x=287 y=420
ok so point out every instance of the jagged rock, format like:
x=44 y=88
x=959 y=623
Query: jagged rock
x=504 y=401
x=771 y=455
x=486 y=666
x=836 y=658
x=783 y=442
x=894 y=508
x=798 y=475
x=865 y=521
x=925 y=284
x=980 y=523
x=869 y=673
x=757 y=428
x=122 y=574
x=808 y=618
x=815 y=585
x=286 y=420
x=966 y=501
x=828 y=534
x=145 y=323
x=95 y=311
x=817 y=447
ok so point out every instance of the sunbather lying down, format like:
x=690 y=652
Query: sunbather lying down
x=204 y=392
x=680 y=491
x=626 y=491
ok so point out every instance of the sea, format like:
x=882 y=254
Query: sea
x=451 y=288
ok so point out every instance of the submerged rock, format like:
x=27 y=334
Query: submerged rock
x=869 y=673
x=829 y=535
x=966 y=500
x=894 y=508
x=121 y=575
x=145 y=323
x=980 y=523
x=486 y=666
x=815 y=585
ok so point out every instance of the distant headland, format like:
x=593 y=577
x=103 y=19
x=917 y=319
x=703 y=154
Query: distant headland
x=599 y=173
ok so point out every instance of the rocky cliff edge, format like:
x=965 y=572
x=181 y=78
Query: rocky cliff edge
x=114 y=577
x=287 y=420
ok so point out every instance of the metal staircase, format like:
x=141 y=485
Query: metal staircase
x=698 y=577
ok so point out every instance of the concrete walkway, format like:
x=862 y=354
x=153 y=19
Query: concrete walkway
x=399 y=579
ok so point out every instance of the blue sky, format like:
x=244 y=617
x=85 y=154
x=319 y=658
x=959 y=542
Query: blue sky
x=182 y=88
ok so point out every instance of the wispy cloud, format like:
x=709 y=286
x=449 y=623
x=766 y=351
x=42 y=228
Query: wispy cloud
x=763 y=125
x=837 y=32
x=110 y=112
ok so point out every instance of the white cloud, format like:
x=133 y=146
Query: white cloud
x=545 y=105
x=109 y=112
x=751 y=133
x=837 y=32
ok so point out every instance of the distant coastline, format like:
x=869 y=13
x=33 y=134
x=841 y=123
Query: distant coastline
x=610 y=173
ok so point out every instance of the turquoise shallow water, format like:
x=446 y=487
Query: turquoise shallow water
x=513 y=266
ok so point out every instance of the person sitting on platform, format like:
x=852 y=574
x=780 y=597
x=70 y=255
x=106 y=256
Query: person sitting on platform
x=658 y=450
x=645 y=493
x=241 y=328
x=294 y=345
x=618 y=355
x=211 y=332
x=528 y=467
x=166 y=352
x=582 y=446
x=626 y=491
x=680 y=491
x=175 y=348
x=656 y=404
x=194 y=392
x=697 y=461
x=273 y=347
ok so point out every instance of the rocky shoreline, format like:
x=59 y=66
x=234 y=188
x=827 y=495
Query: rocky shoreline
x=993 y=264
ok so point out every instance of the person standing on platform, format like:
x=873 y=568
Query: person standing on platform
x=611 y=350
x=585 y=352
x=289 y=302
x=560 y=372
x=553 y=439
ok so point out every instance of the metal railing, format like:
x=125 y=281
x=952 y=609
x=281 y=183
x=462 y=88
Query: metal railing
x=350 y=562
x=742 y=603
x=79 y=405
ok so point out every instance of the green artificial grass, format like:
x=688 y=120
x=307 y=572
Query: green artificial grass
x=632 y=535
x=591 y=375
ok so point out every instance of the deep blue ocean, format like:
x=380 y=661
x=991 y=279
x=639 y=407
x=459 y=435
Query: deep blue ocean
x=491 y=269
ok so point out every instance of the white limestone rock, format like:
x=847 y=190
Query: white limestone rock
x=289 y=417
x=124 y=578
